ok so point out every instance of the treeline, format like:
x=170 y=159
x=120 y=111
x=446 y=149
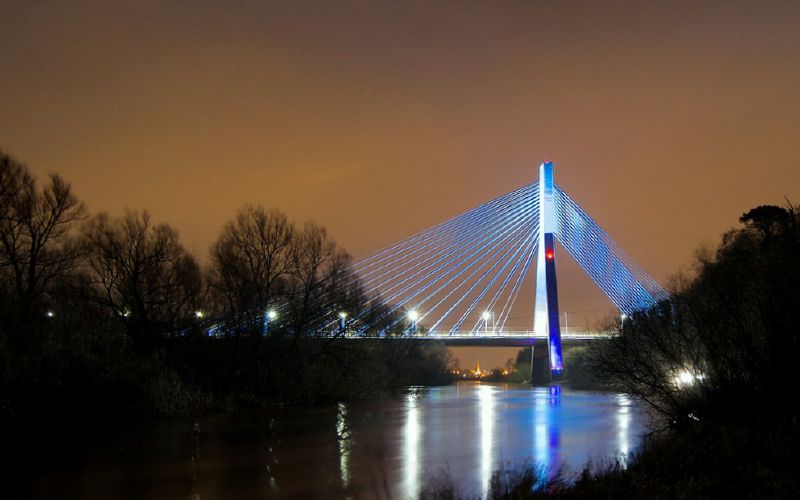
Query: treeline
x=726 y=348
x=718 y=364
x=109 y=315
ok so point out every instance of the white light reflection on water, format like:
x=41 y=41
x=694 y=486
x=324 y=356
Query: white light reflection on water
x=345 y=443
x=472 y=430
x=486 y=404
x=411 y=444
x=623 y=428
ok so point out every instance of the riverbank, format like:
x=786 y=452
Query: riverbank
x=195 y=375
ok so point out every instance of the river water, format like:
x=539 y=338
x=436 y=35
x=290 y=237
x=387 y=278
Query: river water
x=383 y=449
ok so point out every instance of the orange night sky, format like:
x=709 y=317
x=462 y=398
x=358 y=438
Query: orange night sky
x=665 y=120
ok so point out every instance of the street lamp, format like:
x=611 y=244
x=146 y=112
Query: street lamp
x=413 y=316
x=486 y=315
x=199 y=314
x=342 y=322
x=269 y=316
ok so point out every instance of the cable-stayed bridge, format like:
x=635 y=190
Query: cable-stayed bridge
x=459 y=281
x=461 y=278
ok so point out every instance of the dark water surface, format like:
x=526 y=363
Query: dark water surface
x=381 y=449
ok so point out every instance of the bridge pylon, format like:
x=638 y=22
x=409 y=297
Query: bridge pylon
x=546 y=315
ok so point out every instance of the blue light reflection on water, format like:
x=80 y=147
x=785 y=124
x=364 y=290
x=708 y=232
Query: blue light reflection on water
x=484 y=427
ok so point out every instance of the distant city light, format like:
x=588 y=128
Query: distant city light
x=199 y=314
x=50 y=314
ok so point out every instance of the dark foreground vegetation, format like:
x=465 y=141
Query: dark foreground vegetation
x=104 y=317
x=717 y=365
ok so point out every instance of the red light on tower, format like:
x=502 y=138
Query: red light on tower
x=549 y=255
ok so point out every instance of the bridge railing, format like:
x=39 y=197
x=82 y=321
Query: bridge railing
x=506 y=334
x=216 y=330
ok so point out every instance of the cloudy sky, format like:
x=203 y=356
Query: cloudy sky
x=665 y=120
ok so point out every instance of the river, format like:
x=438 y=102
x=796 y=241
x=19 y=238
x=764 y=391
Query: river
x=383 y=449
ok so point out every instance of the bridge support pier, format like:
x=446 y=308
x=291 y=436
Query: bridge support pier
x=533 y=371
x=539 y=369
x=546 y=317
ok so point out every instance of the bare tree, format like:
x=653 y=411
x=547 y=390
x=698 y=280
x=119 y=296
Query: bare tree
x=35 y=245
x=13 y=176
x=261 y=260
x=141 y=273
x=250 y=260
x=318 y=277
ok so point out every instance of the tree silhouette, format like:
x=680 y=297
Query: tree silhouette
x=249 y=261
x=141 y=273
x=35 y=244
x=730 y=334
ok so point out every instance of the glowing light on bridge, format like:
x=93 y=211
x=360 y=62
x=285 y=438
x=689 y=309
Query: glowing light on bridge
x=270 y=315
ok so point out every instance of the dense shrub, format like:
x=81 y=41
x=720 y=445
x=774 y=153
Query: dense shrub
x=729 y=335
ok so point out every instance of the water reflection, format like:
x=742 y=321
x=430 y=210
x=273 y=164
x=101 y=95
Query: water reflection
x=345 y=444
x=271 y=460
x=381 y=449
x=540 y=441
x=411 y=439
x=486 y=406
x=623 y=428
x=546 y=427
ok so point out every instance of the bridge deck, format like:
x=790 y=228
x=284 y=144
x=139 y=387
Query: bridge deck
x=505 y=339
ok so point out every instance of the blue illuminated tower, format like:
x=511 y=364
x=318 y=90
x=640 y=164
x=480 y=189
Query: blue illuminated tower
x=546 y=317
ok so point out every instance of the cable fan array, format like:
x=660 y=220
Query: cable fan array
x=447 y=278
x=628 y=286
x=464 y=275
x=456 y=276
